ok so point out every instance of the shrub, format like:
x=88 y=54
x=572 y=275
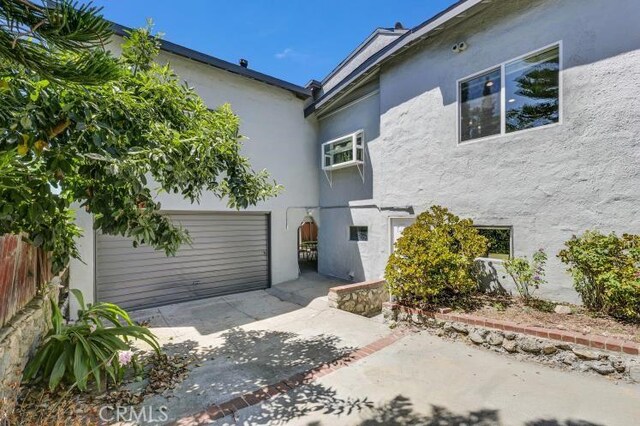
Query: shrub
x=606 y=272
x=97 y=346
x=434 y=258
x=527 y=275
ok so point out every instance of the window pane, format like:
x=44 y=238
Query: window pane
x=480 y=106
x=359 y=154
x=358 y=233
x=342 y=151
x=499 y=242
x=532 y=91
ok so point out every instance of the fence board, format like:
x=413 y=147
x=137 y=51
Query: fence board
x=24 y=269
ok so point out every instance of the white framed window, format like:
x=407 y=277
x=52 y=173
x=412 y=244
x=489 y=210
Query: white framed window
x=500 y=239
x=358 y=233
x=344 y=151
x=520 y=94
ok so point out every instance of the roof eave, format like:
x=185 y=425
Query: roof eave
x=419 y=33
x=185 y=52
x=360 y=48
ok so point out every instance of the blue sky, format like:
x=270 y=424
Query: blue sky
x=295 y=40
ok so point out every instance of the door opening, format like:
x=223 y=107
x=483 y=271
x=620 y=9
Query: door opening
x=308 y=245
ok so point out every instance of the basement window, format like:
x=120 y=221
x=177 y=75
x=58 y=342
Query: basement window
x=500 y=242
x=358 y=233
x=342 y=152
x=517 y=95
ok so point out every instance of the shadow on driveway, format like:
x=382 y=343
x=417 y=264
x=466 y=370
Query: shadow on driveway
x=246 y=361
x=400 y=411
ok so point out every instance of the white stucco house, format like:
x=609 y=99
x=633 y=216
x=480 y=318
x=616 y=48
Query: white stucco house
x=521 y=114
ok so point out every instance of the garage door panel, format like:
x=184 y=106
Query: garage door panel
x=157 y=289
x=229 y=254
x=220 y=217
x=195 y=256
x=145 y=251
x=163 y=270
x=201 y=241
x=187 y=295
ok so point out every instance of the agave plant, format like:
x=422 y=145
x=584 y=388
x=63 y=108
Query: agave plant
x=77 y=353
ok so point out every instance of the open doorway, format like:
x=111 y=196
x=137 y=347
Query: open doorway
x=308 y=245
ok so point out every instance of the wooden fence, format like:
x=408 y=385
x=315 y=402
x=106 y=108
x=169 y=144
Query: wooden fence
x=24 y=269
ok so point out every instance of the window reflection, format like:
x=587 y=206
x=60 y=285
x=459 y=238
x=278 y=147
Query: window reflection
x=480 y=106
x=532 y=92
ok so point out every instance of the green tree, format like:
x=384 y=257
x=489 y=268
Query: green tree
x=110 y=147
x=58 y=39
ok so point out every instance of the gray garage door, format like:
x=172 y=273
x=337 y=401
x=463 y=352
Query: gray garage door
x=229 y=254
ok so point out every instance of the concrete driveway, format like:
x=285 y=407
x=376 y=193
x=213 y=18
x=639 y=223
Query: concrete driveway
x=252 y=340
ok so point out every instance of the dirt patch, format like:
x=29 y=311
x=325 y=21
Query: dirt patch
x=541 y=314
x=37 y=405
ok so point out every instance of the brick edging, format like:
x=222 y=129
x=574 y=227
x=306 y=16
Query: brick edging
x=590 y=340
x=218 y=411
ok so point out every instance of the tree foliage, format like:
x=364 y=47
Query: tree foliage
x=58 y=39
x=434 y=258
x=110 y=148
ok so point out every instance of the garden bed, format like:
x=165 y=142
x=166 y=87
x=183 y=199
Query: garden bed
x=37 y=405
x=541 y=314
x=538 y=313
x=604 y=356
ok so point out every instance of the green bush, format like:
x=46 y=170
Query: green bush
x=434 y=258
x=97 y=346
x=527 y=275
x=606 y=272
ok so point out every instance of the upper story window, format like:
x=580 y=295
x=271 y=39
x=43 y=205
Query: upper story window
x=344 y=151
x=517 y=95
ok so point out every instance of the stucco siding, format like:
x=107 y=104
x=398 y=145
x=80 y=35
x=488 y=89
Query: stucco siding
x=341 y=186
x=352 y=260
x=547 y=183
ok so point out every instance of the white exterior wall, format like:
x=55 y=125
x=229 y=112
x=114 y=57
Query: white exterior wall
x=548 y=183
x=279 y=139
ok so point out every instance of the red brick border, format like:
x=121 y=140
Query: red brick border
x=590 y=340
x=218 y=411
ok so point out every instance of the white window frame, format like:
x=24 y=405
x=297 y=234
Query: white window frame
x=499 y=227
x=354 y=162
x=503 y=94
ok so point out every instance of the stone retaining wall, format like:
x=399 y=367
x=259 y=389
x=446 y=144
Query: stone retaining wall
x=18 y=340
x=364 y=298
x=552 y=352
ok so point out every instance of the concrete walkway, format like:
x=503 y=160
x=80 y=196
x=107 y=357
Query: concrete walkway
x=424 y=380
x=257 y=339
x=250 y=340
